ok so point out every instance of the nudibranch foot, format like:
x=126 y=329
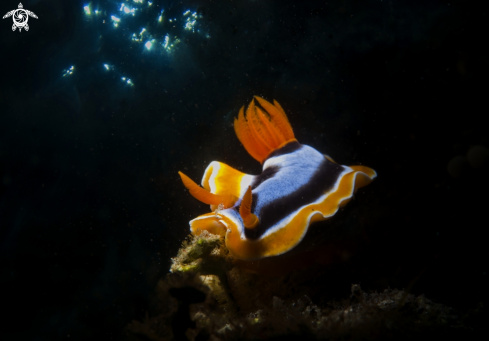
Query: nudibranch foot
x=269 y=214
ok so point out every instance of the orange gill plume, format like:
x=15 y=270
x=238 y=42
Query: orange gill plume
x=201 y=194
x=263 y=129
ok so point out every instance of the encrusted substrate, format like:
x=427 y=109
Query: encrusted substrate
x=204 y=254
x=207 y=297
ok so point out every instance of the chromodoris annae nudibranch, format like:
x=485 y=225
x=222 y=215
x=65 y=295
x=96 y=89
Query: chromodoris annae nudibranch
x=269 y=214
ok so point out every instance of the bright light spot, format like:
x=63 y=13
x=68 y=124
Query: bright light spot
x=115 y=20
x=170 y=20
x=68 y=71
x=148 y=45
x=97 y=12
x=138 y=1
x=160 y=18
x=208 y=36
x=189 y=25
x=123 y=79
x=138 y=37
x=127 y=10
x=149 y=3
x=86 y=8
x=107 y=67
x=130 y=82
x=167 y=45
x=186 y=12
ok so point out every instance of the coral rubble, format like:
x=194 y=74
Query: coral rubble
x=208 y=296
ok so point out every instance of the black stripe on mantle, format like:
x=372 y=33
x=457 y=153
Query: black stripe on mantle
x=323 y=180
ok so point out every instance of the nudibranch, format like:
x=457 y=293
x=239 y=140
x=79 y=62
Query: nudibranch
x=269 y=214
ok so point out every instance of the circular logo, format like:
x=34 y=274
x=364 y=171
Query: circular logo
x=20 y=17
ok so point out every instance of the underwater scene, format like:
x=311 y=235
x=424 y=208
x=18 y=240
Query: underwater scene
x=243 y=170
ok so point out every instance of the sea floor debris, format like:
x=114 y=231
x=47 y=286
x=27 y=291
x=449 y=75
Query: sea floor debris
x=206 y=296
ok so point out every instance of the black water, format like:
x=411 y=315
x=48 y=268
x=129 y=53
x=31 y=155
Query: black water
x=91 y=205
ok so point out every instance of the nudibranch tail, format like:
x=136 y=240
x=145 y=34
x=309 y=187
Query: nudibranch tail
x=365 y=175
x=289 y=232
x=264 y=129
x=199 y=193
x=249 y=219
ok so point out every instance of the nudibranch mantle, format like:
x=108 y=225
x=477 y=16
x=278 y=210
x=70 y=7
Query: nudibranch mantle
x=269 y=214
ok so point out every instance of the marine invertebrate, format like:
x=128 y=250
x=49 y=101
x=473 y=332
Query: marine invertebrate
x=269 y=214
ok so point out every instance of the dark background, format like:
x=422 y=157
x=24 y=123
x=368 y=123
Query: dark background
x=91 y=206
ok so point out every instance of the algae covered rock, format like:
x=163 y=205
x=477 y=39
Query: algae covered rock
x=203 y=253
x=208 y=296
